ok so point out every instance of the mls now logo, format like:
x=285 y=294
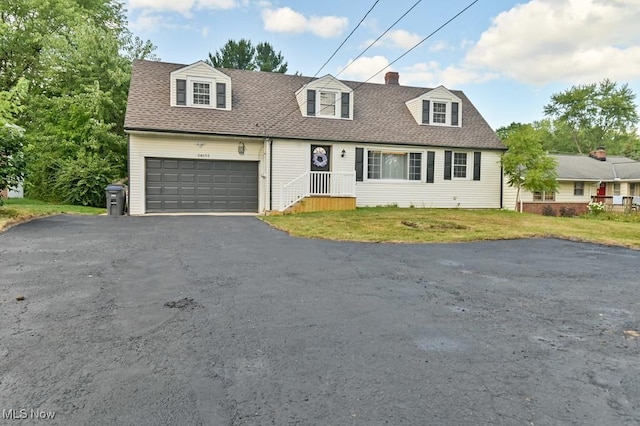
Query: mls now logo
x=23 y=413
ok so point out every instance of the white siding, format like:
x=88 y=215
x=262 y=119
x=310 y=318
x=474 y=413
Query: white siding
x=186 y=146
x=463 y=193
x=565 y=193
x=201 y=70
x=290 y=160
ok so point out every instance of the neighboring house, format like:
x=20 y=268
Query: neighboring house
x=203 y=139
x=582 y=179
x=17 y=192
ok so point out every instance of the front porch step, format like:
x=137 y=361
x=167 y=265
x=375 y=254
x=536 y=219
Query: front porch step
x=322 y=204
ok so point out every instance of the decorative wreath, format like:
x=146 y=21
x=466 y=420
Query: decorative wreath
x=320 y=159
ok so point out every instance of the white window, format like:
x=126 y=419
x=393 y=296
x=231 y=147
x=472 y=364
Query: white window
x=200 y=92
x=544 y=195
x=460 y=165
x=394 y=165
x=578 y=189
x=634 y=189
x=439 y=114
x=327 y=105
x=616 y=189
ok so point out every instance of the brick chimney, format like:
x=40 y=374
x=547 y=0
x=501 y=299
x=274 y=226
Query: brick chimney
x=599 y=154
x=392 y=77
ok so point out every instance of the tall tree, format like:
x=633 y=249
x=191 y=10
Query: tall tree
x=237 y=55
x=243 y=55
x=268 y=60
x=76 y=55
x=525 y=163
x=595 y=114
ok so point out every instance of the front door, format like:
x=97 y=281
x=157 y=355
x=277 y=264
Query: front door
x=602 y=191
x=320 y=168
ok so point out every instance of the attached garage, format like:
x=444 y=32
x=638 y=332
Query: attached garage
x=190 y=185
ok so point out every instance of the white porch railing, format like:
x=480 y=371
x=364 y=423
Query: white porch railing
x=328 y=184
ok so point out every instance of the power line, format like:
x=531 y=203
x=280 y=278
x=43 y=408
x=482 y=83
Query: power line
x=379 y=37
x=330 y=58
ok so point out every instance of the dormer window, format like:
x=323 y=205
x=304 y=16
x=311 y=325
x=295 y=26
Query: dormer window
x=200 y=86
x=327 y=104
x=438 y=107
x=440 y=113
x=198 y=92
x=326 y=98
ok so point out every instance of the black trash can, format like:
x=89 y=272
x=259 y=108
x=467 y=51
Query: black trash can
x=116 y=198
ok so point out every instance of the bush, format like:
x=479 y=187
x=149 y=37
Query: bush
x=548 y=211
x=567 y=212
x=596 y=208
x=82 y=181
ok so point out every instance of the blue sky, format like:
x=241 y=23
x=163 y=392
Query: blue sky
x=508 y=56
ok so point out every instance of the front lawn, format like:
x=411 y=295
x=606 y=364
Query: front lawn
x=413 y=225
x=18 y=210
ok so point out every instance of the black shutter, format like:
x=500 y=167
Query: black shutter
x=221 y=95
x=447 y=165
x=345 y=106
x=425 y=112
x=181 y=92
x=476 y=165
x=431 y=163
x=454 y=113
x=311 y=103
x=359 y=164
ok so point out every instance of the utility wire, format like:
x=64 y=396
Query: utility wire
x=330 y=58
x=379 y=37
x=395 y=60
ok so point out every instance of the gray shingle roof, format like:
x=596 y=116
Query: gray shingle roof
x=380 y=113
x=581 y=167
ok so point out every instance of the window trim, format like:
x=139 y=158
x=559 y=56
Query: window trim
x=408 y=170
x=579 y=189
x=543 y=196
x=212 y=92
x=336 y=108
x=432 y=103
x=453 y=165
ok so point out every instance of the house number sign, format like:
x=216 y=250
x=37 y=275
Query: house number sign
x=204 y=155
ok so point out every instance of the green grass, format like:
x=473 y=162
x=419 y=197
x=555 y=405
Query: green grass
x=391 y=224
x=18 y=210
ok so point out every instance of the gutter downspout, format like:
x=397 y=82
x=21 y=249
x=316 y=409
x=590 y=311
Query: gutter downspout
x=270 y=174
x=501 y=187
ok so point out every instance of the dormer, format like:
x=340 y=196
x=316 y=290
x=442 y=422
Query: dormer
x=438 y=107
x=200 y=85
x=326 y=97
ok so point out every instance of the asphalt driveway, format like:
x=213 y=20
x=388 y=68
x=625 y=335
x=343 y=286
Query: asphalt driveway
x=225 y=321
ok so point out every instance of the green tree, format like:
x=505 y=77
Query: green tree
x=525 y=163
x=268 y=60
x=592 y=115
x=244 y=56
x=77 y=56
x=237 y=55
x=11 y=137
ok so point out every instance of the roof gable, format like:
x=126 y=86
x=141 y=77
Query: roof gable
x=422 y=107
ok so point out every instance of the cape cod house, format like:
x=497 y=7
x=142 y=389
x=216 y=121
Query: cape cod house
x=203 y=139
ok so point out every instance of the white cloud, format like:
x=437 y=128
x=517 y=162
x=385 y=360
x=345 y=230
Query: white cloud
x=431 y=74
x=439 y=46
x=145 y=23
x=573 y=41
x=287 y=20
x=363 y=68
x=181 y=6
x=398 y=39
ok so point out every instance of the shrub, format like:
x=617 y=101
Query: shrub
x=596 y=208
x=567 y=212
x=548 y=211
